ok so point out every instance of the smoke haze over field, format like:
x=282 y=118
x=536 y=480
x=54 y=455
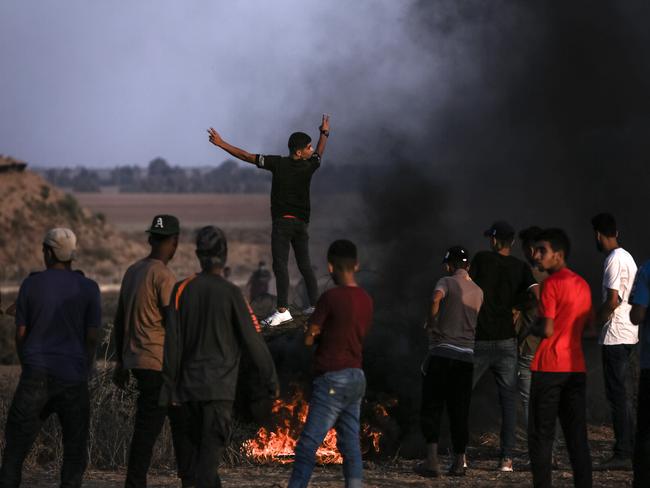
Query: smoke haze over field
x=107 y=83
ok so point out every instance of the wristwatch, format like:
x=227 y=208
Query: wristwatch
x=326 y=133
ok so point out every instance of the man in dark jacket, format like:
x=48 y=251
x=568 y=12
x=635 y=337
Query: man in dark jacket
x=209 y=325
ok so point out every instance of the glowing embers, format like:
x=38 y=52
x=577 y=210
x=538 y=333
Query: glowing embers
x=278 y=445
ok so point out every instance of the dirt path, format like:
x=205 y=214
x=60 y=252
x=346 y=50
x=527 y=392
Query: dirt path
x=400 y=474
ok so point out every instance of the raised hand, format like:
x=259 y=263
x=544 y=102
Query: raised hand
x=214 y=137
x=325 y=124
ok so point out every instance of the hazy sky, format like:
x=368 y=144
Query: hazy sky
x=101 y=83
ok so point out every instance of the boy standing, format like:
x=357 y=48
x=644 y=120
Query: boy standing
x=340 y=323
x=558 y=384
x=618 y=336
x=290 y=209
x=640 y=300
x=139 y=335
x=209 y=326
x=449 y=366
x=57 y=318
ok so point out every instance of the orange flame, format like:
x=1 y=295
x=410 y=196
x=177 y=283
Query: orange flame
x=279 y=445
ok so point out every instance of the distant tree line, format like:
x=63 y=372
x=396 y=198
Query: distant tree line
x=160 y=176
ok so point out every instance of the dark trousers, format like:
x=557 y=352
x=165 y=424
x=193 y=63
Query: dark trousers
x=642 y=441
x=291 y=233
x=37 y=396
x=563 y=395
x=210 y=430
x=616 y=363
x=149 y=421
x=447 y=383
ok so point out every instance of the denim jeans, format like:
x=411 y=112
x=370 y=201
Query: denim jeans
x=616 y=363
x=37 y=396
x=335 y=402
x=500 y=357
x=149 y=420
x=288 y=233
x=642 y=440
x=562 y=395
x=523 y=376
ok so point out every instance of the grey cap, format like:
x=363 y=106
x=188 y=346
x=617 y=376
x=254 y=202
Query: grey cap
x=63 y=243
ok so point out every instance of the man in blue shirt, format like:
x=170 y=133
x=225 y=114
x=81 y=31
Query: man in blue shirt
x=58 y=315
x=640 y=301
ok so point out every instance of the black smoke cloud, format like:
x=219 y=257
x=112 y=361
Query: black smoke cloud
x=546 y=122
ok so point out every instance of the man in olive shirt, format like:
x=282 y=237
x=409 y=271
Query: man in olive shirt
x=209 y=326
x=139 y=338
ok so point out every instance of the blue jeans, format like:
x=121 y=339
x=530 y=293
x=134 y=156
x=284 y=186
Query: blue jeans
x=500 y=357
x=524 y=375
x=616 y=363
x=335 y=402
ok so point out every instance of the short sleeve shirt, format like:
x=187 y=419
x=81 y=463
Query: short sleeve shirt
x=290 y=188
x=641 y=296
x=505 y=281
x=565 y=298
x=146 y=290
x=618 y=274
x=344 y=314
x=57 y=307
x=453 y=333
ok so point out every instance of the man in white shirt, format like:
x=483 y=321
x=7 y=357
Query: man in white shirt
x=618 y=335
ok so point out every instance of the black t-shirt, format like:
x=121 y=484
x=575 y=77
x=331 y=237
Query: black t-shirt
x=291 y=182
x=505 y=281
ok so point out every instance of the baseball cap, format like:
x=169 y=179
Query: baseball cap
x=164 y=225
x=500 y=230
x=456 y=254
x=63 y=243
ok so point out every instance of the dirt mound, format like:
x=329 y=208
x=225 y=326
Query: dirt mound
x=29 y=206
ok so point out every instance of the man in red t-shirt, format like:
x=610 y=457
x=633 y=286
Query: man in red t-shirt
x=340 y=323
x=558 y=385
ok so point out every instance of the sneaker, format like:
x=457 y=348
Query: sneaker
x=309 y=310
x=505 y=465
x=615 y=463
x=277 y=318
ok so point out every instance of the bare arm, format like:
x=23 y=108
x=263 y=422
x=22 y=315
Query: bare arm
x=607 y=308
x=543 y=327
x=324 y=134
x=234 y=151
x=311 y=333
x=637 y=314
x=435 y=308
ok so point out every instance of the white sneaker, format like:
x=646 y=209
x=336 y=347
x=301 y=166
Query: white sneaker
x=277 y=318
x=505 y=465
x=309 y=310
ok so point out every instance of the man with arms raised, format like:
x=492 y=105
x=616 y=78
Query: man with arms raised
x=290 y=209
x=57 y=317
x=558 y=383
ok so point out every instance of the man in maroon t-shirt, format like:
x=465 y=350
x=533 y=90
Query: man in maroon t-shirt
x=339 y=325
x=558 y=384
